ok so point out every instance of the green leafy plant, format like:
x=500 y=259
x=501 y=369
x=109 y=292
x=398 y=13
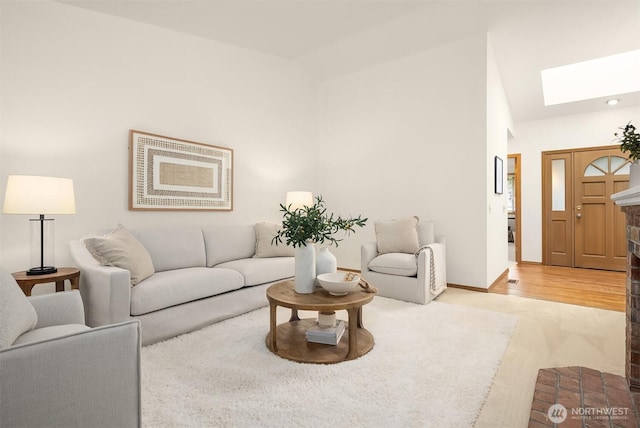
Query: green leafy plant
x=305 y=225
x=629 y=141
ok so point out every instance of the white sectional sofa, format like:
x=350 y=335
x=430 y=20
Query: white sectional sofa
x=200 y=276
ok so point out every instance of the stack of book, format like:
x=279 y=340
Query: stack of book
x=326 y=335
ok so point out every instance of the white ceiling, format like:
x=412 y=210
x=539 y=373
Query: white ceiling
x=334 y=37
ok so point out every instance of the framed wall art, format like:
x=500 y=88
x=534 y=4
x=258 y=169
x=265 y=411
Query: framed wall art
x=498 y=174
x=171 y=174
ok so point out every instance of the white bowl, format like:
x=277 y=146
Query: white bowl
x=336 y=284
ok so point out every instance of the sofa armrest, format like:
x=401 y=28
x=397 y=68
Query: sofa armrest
x=105 y=290
x=368 y=252
x=90 y=378
x=58 y=308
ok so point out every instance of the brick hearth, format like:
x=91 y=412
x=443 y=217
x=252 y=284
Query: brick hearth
x=590 y=399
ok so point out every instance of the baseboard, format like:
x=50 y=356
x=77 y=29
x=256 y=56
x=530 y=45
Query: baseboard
x=524 y=262
x=349 y=269
x=502 y=279
x=468 y=287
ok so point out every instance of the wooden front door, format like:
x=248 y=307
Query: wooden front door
x=582 y=227
x=600 y=227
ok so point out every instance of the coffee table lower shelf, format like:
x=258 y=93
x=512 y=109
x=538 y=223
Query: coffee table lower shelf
x=292 y=344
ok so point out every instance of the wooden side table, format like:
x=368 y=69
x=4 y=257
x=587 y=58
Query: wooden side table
x=27 y=282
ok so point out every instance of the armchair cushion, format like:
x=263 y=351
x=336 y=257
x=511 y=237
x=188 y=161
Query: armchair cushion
x=120 y=248
x=395 y=264
x=17 y=315
x=397 y=236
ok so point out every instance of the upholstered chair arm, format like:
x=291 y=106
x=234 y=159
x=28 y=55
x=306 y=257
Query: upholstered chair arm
x=368 y=252
x=85 y=379
x=105 y=290
x=58 y=308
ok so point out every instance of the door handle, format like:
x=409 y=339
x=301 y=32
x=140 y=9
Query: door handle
x=579 y=213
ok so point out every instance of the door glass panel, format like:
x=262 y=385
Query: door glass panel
x=620 y=165
x=592 y=171
x=626 y=169
x=616 y=161
x=602 y=163
x=558 y=185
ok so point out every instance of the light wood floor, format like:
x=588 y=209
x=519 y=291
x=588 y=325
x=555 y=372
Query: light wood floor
x=586 y=287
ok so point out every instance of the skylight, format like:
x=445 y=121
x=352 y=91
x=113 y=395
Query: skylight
x=602 y=77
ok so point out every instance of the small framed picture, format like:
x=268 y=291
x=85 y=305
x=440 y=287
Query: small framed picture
x=498 y=174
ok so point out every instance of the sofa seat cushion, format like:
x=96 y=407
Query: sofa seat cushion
x=175 y=287
x=400 y=264
x=51 y=332
x=258 y=271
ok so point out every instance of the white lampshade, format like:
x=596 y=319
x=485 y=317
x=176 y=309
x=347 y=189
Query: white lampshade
x=299 y=199
x=27 y=194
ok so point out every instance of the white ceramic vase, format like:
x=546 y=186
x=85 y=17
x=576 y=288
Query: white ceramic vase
x=305 y=279
x=326 y=262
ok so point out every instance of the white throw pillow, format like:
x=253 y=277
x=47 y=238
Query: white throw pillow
x=395 y=264
x=121 y=249
x=17 y=315
x=397 y=236
x=264 y=235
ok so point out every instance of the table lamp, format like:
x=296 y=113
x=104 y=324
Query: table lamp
x=299 y=199
x=28 y=194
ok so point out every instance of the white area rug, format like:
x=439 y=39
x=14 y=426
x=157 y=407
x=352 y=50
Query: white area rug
x=431 y=366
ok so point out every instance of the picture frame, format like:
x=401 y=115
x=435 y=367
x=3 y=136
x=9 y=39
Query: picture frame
x=171 y=174
x=498 y=175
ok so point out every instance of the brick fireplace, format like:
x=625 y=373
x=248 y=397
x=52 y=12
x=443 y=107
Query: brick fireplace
x=629 y=200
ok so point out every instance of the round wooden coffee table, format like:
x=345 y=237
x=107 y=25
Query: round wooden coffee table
x=288 y=339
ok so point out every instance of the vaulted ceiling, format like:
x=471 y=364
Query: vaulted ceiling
x=335 y=37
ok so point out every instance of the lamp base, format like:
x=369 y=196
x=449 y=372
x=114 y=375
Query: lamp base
x=42 y=270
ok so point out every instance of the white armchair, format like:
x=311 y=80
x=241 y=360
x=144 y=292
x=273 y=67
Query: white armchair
x=57 y=372
x=416 y=277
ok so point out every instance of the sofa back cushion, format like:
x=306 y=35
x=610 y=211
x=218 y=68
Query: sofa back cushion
x=226 y=243
x=173 y=248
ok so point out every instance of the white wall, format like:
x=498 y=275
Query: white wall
x=408 y=137
x=405 y=137
x=534 y=137
x=498 y=123
x=75 y=82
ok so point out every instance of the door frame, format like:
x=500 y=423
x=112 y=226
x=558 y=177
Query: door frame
x=517 y=158
x=570 y=199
